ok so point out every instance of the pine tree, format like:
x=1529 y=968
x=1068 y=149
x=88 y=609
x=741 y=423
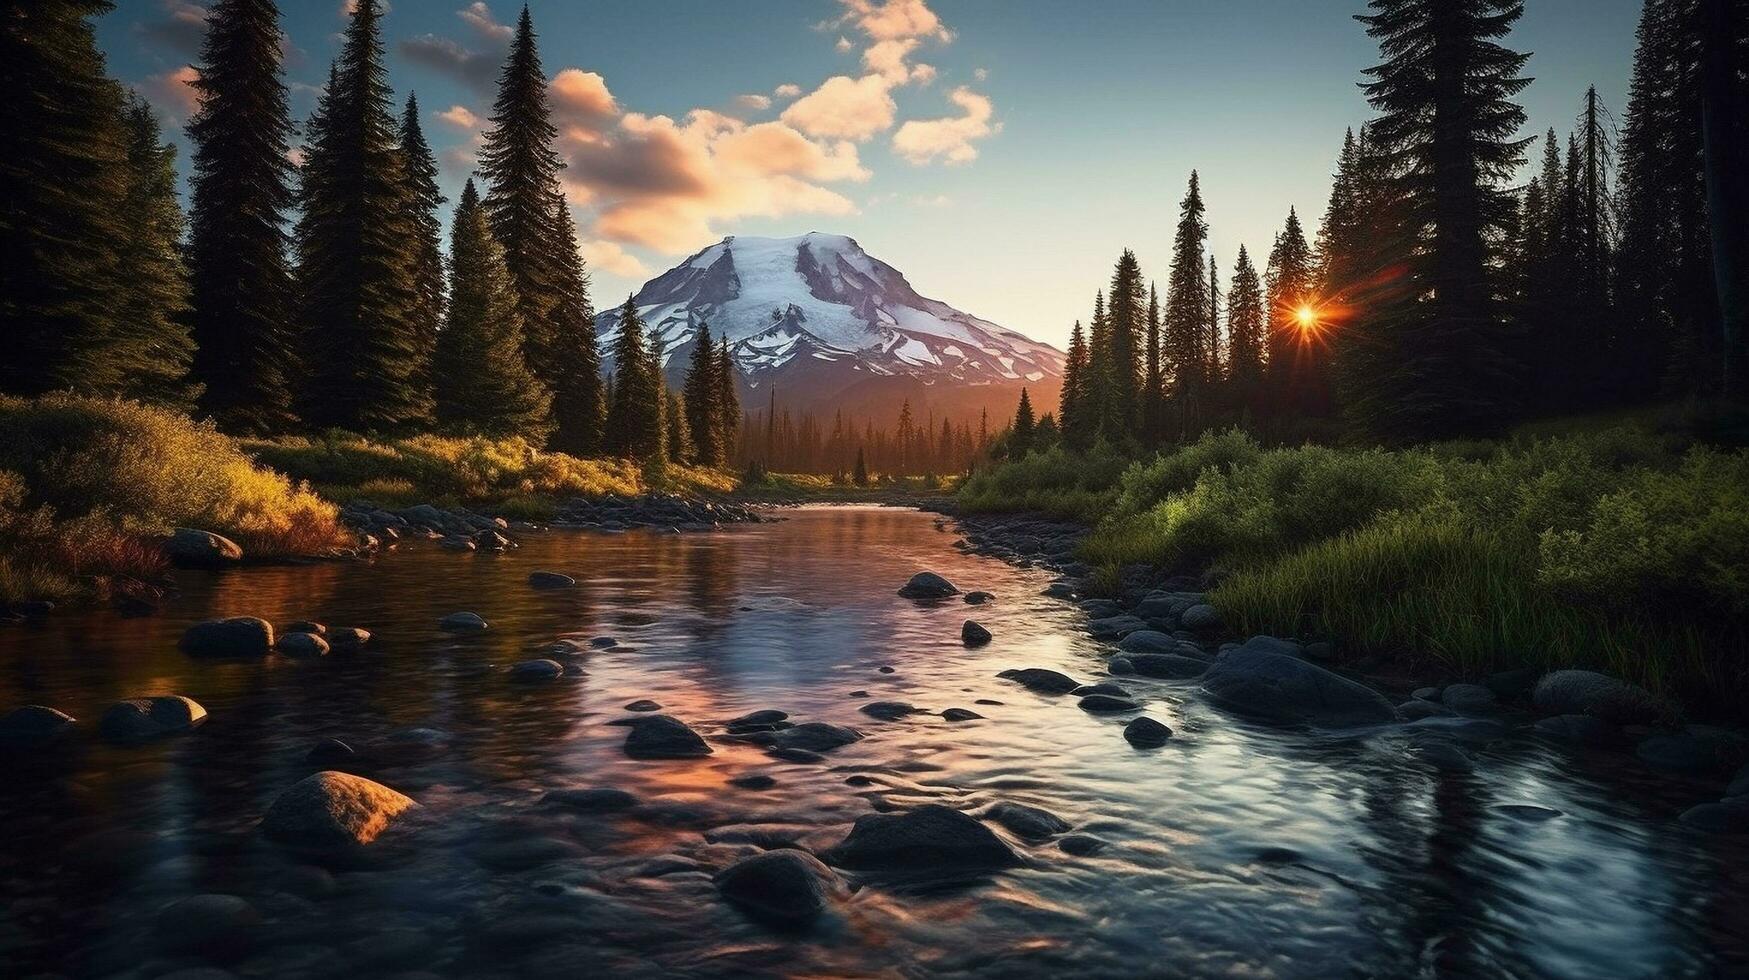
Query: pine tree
x=1078 y=427
x=356 y=249
x=1246 y=332
x=578 y=400
x=728 y=400
x=1126 y=325
x=152 y=344
x=419 y=185
x=1153 y=380
x=241 y=193
x=1336 y=233
x=634 y=418
x=1020 y=436
x=701 y=387
x=1098 y=396
x=482 y=380
x=1212 y=371
x=859 y=475
x=678 y=443
x=521 y=169
x=1187 y=304
x=1443 y=93
x=65 y=176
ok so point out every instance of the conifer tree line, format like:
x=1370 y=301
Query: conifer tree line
x=316 y=294
x=908 y=444
x=1442 y=295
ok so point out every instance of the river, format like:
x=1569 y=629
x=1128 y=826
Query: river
x=1233 y=850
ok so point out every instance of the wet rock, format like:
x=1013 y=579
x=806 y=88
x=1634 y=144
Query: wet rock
x=1526 y=812
x=782 y=887
x=973 y=635
x=931 y=837
x=1081 y=845
x=305 y=626
x=463 y=622
x=551 y=580
x=888 y=710
x=928 y=585
x=456 y=542
x=1027 y=822
x=1115 y=627
x=34 y=726
x=960 y=714
x=1478 y=730
x=1685 y=753
x=988 y=701
x=189 y=547
x=1058 y=590
x=1105 y=687
x=664 y=737
x=348 y=638
x=207 y=924
x=978 y=598
x=1107 y=703
x=643 y=704
x=1729 y=816
x=1417 y=709
x=1320 y=652
x=239 y=636
x=1041 y=681
x=1472 y=700
x=1146 y=733
x=603 y=642
x=766 y=720
x=1426 y=693
x=789 y=753
x=753 y=781
x=1585 y=692
x=333 y=810
x=816 y=736
x=1444 y=756
x=536 y=671
x=1099 y=608
x=1120 y=666
x=1149 y=641
x=1285 y=689
x=596 y=799
x=1578 y=729
x=1270 y=644
x=141 y=719
x=1201 y=618
x=1168 y=666
x=301 y=645
x=1513 y=685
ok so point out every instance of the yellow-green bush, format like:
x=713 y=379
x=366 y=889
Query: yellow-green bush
x=1056 y=482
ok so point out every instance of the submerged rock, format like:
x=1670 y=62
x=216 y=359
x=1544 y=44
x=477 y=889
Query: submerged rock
x=960 y=714
x=1586 y=692
x=1167 y=666
x=551 y=580
x=1146 y=733
x=238 y=636
x=348 y=638
x=305 y=626
x=974 y=635
x=34 y=726
x=463 y=622
x=931 y=837
x=888 y=710
x=1042 y=681
x=189 y=547
x=333 y=810
x=1107 y=703
x=1280 y=688
x=1444 y=756
x=140 y=719
x=1027 y=822
x=816 y=736
x=536 y=671
x=330 y=752
x=1081 y=845
x=301 y=645
x=978 y=598
x=1472 y=700
x=782 y=887
x=1730 y=816
x=643 y=704
x=754 y=781
x=664 y=737
x=928 y=585
x=766 y=720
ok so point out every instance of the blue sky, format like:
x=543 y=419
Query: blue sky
x=998 y=152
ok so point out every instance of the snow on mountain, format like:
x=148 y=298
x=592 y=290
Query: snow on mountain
x=817 y=313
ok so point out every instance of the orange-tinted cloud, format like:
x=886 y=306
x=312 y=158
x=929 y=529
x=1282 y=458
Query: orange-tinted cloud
x=173 y=92
x=480 y=18
x=950 y=138
x=612 y=258
x=844 y=107
x=580 y=100
x=894 y=19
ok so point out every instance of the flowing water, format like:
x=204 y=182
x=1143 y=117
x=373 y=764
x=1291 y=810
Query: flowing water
x=1234 y=850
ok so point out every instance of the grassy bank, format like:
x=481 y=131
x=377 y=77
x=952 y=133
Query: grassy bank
x=87 y=486
x=1622 y=548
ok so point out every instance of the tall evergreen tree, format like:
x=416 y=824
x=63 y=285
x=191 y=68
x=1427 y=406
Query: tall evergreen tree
x=1078 y=428
x=578 y=401
x=728 y=400
x=1246 y=332
x=356 y=240
x=1021 y=433
x=65 y=176
x=1098 y=396
x=677 y=443
x=1153 y=379
x=419 y=177
x=481 y=377
x=152 y=343
x=703 y=416
x=1212 y=372
x=241 y=194
x=1126 y=325
x=634 y=419
x=1336 y=233
x=1187 y=304
x=1443 y=93
x=521 y=169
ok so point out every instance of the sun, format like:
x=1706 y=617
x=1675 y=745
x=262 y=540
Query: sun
x=1307 y=317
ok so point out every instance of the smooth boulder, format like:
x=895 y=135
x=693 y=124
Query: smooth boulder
x=1149 y=641
x=1586 y=692
x=1167 y=666
x=34 y=726
x=1201 y=618
x=973 y=634
x=1107 y=704
x=463 y=622
x=930 y=837
x=536 y=671
x=782 y=887
x=238 y=636
x=301 y=645
x=888 y=710
x=141 y=719
x=816 y=736
x=189 y=547
x=1256 y=681
x=1029 y=823
x=1146 y=733
x=1041 y=681
x=664 y=737
x=928 y=585
x=550 y=580
x=333 y=810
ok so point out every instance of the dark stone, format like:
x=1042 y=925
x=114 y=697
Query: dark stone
x=301 y=645
x=1513 y=685
x=1041 y=681
x=211 y=925
x=1168 y=666
x=189 y=547
x=1201 y=618
x=1081 y=845
x=306 y=626
x=1114 y=627
x=34 y=726
x=1729 y=816
x=1285 y=689
x=1102 y=688
x=960 y=714
x=603 y=642
x=1426 y=693
x=348 y=638
x=988 y=701
x=1027 y=822
x=643 y=704
x=551 y=580
x=931 y=837
x=536 y=671
x=595 y=799
x=1120 y=666
x=789 y=753
x=758 y=720
x=1417 y=709
x=1146 y=733
x=782 y=887
x=1149 y=641
x=1526 y=812
x=1444 y=756
x=463 y=622
x=1472 y=700
x=888 y=710
x=333 y=810
x=754 y=781
x=664 y=737
x=928 y=585
x=1105 y=703
x=239 y=636
x=816 y=736
x=973 y=634
x=978 y=598
x=1585 y=692
x=141 y=719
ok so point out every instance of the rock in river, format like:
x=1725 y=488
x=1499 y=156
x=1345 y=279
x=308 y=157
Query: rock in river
x=348 y=638
x=536 y=671
x=333 y=810
x=1729 y=816
x=1470 y=700
x=978 y=598
x=1259 y=682
x=1027 y=822
x=301 y=645
x=1201 y=617
x=929 y=837
x=1146 y=733
x=928 y=585
x=974 y=635
x=463 y=622
x=1114 y=627
x=1167 y=666
x=782 y=887
x=140 y=719
x=960 y=714
x=189 y=547
x=550 y=580
x=34 y=726
x=888 y=710
x=664 y=737
x=1149 y=641
x=1041 y=680
x=1107 y=703
x=239 y=636
x=816 y=736
x=1585 y=692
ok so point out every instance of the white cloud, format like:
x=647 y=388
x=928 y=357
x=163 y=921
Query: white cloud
x=843 y=44
x=844 y=107
x=479 y=17
x=581 y=100
x=611 y=257
x=787 y=90
x=951 y=137
x=888 y=20
x=461 y=117
x=754 y=102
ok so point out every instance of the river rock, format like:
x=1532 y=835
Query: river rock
x=1104 y=687
x=643 y=704
x=1514 y=684
x=928 y=585
x=189 y=547
x=1729 y=816
x=34 y=726
x=463 y=622
x=238 y=636
x=1107 y=703
x=1444 y=756
x=753 y=781
x=1042 y=681
x=596 y=799
x=816 y=736
x=664 y=737
x=348 y=638
x=405 y=746
x=1027 y=822
x=1115 y=627
x=1285 y=689
x=1201 y=618
x=301 y=645
x=207 y=924
x=1146 y=733
x=551 y=580
x=140 y=719
x=973 y=635
x=330 y=752
x=1168 y=666
x=1578 y=729
x=1473 y=700
x=333 y=810
x=978 y=598
x=781 y=887
x=930 y=837
x=1081 y=845
x=1426 y=693
x=305 y=626
x=1585 y=692
x=1120 y=666
x=767 y=720
x=1149 y=641
x=536 y=671
x=960 y=714
x=888 y=710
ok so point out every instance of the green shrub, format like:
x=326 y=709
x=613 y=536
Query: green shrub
x=1056 y=482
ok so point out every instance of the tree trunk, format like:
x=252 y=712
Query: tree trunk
x=1727 y=169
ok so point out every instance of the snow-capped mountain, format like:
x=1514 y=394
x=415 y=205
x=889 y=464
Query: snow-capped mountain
x=828 y=324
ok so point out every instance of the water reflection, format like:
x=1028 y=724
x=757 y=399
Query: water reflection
x=1233 y=849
